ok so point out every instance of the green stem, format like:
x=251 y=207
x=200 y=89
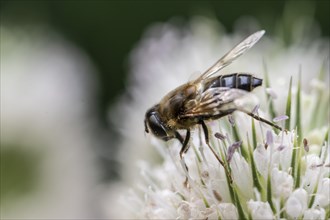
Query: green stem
x=298 y=111
x=288 y=106
x=269 y=98
x=269 y=193
x=239 y=207
x=254 y=135
x=294 y=156
x=255 y=176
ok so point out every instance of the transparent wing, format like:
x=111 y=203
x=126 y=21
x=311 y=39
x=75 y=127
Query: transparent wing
x=212 y=102
x=233 y=54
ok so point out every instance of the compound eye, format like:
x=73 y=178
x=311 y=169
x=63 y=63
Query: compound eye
x=156 y=127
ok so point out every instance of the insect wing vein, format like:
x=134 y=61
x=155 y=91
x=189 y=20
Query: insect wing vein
x=212 y=101
x=233 y=54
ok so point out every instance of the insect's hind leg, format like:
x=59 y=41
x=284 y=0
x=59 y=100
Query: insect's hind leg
x=206 y=133
x=260 y=119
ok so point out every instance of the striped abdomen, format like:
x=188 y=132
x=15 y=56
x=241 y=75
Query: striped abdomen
x=242 y=81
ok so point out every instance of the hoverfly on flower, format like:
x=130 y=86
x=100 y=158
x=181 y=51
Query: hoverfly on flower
x=209 y=97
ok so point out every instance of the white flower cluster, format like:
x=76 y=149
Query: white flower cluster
x=263 y=185
x=268 y=174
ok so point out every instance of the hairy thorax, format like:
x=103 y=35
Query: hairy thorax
x=174 y=103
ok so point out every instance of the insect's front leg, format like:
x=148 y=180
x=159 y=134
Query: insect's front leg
x=185 y=145
x=183 y=150
x=179 y=137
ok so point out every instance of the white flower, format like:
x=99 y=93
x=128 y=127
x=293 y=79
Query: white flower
x=260 y=210
x=296 y=203
x=322 y=198
x=311 y=214
x=283 y=182
x=227 y=211
x=270 y=171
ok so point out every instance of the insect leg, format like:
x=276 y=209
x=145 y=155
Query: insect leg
x=206 y=133
x=179 y=137
x=183 y=150
x=261 y=119
x=185 y=145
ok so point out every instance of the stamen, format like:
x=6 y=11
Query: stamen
x=320 y=165
x=269 y=138
x=231 y=120
x=306 y=147
x=220 y=136
x=217 y=195
x=231 y=150
x=281 y=147
x=280 y=118
x=256 y=109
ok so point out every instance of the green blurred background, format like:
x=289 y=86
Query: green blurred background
x=107 y=31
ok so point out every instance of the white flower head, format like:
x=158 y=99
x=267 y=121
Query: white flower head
x=265 y=173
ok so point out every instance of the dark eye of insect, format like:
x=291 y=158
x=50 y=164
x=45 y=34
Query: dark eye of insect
x=156 y=127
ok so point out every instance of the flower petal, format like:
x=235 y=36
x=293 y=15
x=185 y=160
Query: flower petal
x=260 y=210
x=297 y=203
